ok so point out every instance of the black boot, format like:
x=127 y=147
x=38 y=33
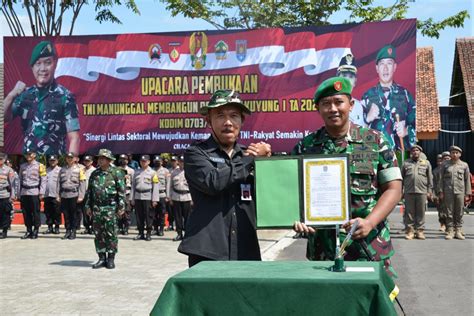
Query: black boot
x=148 y=236
x=49 y=230
x=56 y=230
x=160 y=231
x=66 y=236
x=34 y=235
x=178 y=237
x=101 y=263
x=27 y=235
x=139 y=236
x=4 y=233
x=73 y=235
x=110 y=261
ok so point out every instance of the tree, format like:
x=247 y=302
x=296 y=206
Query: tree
x=46 y=17
x=229 y=14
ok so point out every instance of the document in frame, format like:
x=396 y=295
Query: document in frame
x=326 y=190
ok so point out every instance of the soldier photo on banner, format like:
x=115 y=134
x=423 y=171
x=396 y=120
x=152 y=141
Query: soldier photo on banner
x=47 y=110
x=389 y=107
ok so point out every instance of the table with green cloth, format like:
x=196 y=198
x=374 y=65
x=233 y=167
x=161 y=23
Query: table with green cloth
x=278 y=288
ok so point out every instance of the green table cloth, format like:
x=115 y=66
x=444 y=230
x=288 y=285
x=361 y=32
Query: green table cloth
x=277 y=288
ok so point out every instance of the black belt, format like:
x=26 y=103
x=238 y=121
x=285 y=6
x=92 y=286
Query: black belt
x=143 y=191
x=69 y=190
x=162 y=191
x=30 y=187
x=181 y=191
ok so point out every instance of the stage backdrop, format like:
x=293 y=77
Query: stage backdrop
x=141 y=93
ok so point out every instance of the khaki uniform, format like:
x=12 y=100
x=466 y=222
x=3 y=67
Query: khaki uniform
x=32 y=178
x=51 y=204
x=178 y=191
x=455 y=183
x=145 y=190
x=7 y=194
x=417 y=183
x=440 y=205
x=71 y=187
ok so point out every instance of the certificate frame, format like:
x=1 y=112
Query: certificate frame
x=280 y=193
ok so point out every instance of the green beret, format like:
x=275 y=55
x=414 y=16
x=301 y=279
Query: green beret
x=224 y=97
x=417 y=146
x=42 y=49
x=106 y=153
x=333 y=86
x=388 y=51
x=455 y=148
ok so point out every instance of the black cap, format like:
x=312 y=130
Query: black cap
x=53 y=157
x=70 y=155
x=145 y=157
x=123 y=156
x=157 y=158
x=3 y=156
x=88 y=158
x=174 y=158
x=29 y=152
x=181 y=158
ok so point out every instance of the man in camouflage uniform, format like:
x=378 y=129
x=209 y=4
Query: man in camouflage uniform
x=88 y=169
x=105 y=200
x=455 y=190
x=124 y=221
x=33 y=185
x=160 y=210
x=71 y=188
x=48 y=111
x=389 y=107
x=145 y=196
x=417 y=188
x=440 y=206
x=52 y=211
x=7 y=195
x=375 y=178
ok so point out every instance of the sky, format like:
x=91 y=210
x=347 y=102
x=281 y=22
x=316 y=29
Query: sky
x=155 y=18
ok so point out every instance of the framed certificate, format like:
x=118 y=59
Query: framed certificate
x=313 y=189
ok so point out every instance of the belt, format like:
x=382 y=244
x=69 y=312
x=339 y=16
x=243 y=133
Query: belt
x=162 y=191
x=181 y=191
x=69 y=190
x=143 y=191
x=30 y=187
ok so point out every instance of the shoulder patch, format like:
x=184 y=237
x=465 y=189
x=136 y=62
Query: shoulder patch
x=82 y=176
x=42 y=170
x=155 y=178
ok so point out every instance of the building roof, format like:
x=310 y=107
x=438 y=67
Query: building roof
x=427 y=111
x=462 y=81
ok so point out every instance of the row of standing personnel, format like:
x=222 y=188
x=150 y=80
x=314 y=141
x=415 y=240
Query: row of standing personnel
x=448 y=185
x=152 y=192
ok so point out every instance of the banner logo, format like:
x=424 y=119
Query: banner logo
x=241 y=50
x=198 y=49
x=221 y=49
x=154 y=52
x=174 y=53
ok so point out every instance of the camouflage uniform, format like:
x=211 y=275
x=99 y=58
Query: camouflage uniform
x=372 y=164
x=105 y=197
x=47 y=115
x=125 y=220
x=392 y=101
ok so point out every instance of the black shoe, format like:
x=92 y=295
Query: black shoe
x=178 y=238
x=160 y=232
x=56 y=230
x=27 y=235
x=91 y=231
x=3 y=235
x=101 y=263
x=154 y=232
x=66 y=236
x=73 y=235
x=110 y=261
x=148 y=236
x=139 y=237
x=125 y=231
x=49 y=230
x=34 y=235
x=85 y=232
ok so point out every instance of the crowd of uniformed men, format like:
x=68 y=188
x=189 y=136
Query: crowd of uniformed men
x=153 y=188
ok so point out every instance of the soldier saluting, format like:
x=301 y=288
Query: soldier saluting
x=104 y=201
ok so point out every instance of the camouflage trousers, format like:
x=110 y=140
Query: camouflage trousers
x=104 y=223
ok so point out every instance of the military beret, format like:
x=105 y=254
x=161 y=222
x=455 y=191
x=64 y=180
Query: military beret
x=455 y=148
x=53 y=157
x=333 y=86
x=347 y=64
x=416 y=146
x=106 y=153
x=145 y=157
x=439 y=156
x=88 y=158
x=157 y=158
x=42 y=49
x=224 y=97
x=388 y=51
x=123 y=156
x=445 y=153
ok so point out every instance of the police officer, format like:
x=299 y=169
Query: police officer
x=105 y=201
x=52 y=210
x=375 y=185
x=145 y=196
x=124 y=221
x=436 y=182
x=48 y=111
x=71 y=188
x=172 y=165
x=7 y=195
x=417 y=187
x=16 y=186
x=88 y=169
x=160 y=210
x=33 y=185
x=455 y=190
x=180 y=196
x=389 y=107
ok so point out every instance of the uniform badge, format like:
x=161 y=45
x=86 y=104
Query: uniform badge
x=174 y=53
x=198 y=49
x=245 y=192
x=389 y=51
x=154 y=52
x=241 y=50
x=338 y=86
x=221 y=49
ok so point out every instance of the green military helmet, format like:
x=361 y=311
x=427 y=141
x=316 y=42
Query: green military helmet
x=388 y=51
x=333 y=86
x=106 y=153
x=224 y=97
x=42 y=49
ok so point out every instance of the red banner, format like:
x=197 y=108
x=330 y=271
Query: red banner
x=141 y=93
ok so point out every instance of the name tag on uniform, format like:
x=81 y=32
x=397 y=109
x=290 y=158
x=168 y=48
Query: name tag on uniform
x=245 y=192
x=217 y=159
